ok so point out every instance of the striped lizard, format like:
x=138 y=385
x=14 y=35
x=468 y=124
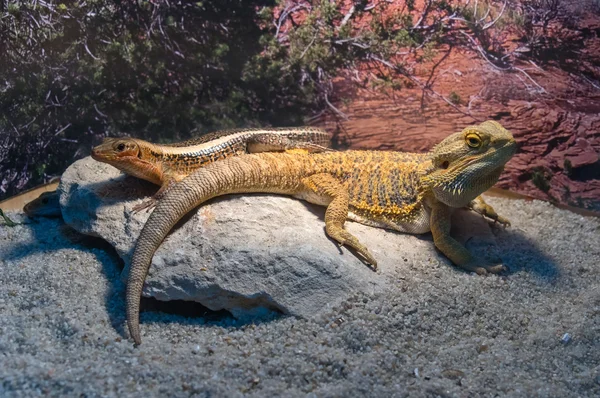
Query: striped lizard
x=164 y=165
x=45 y=205
x=406 y=192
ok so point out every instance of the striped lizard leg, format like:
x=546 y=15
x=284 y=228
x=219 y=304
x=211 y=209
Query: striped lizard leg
x=151 y=203
x=457 y=253
x=478 y=205
x=327 y=186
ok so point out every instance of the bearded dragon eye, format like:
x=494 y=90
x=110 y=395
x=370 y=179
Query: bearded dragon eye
x=121 y=147
x=473 y=141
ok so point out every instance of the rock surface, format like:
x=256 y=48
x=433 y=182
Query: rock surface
x=250 y=254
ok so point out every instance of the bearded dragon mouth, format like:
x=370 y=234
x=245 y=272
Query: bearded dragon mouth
x=488 y=154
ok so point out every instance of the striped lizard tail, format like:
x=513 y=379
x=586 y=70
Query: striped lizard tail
x=265 y=172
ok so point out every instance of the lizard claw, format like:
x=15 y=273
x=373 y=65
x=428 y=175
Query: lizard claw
x=495 y=269
x=483 y=269
x=363 y=251
x=501 y=220
x=147 y=204
x=498 y=219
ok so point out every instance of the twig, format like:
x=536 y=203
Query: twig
x=485 y=56
x=285 y=13
x=63 y=129
x=30 y=123
x=336 y=110
x=536 y=65
x=14 y=127
x=428 y=82
x=312 y=119
x=309 y=46
x=542 y=89
x=483 y=53
x=490 y=24
x=590 y=81
x=423 y=15
x=99 y=113
x=55 y=134
x=89 y=52
x=420 y=84
x=473 y=98
x=487 y=12
x=347 y=17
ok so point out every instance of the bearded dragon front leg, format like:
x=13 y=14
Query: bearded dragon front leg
x=440 y=229
x=326 y=186
x=479 y=206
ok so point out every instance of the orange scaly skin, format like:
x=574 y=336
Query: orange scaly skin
x=165 y=164
x=407 y=192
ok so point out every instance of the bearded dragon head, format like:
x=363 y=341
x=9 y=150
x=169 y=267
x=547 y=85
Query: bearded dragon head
x=468 y=163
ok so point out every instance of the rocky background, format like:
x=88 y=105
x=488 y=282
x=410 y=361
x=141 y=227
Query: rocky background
x=392 y=75
x=553 y=111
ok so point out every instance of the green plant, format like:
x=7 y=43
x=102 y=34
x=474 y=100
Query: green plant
x=568 y=167
x=541 y=179
x=454 y=98
x=73 y=72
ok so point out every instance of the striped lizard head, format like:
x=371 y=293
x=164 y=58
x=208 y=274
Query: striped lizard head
x=46 y=205
x=467 y=163
x=131 y=156
x=113 y=149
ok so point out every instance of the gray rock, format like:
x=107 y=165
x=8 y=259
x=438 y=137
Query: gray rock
x=249 y=254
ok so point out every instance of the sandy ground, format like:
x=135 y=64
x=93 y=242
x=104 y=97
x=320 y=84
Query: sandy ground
x=442 y=333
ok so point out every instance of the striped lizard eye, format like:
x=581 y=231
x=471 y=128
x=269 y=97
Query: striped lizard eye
x=120 y=147
x=473 y=140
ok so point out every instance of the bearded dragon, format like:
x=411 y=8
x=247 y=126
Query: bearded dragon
x=407 y=192
x=164 y=165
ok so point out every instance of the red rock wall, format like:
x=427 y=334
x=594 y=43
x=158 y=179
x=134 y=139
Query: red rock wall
x=559 y=140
